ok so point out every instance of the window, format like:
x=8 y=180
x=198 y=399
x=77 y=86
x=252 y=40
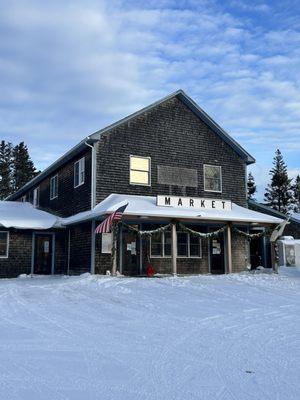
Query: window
x=4 y=241
x=212 y=178
x=140 y=170
x=188 y=246
x=36 y=197
x=54 y=187
x=79 y=172
x=182 y=244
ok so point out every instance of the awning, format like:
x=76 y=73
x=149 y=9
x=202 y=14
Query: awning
x=14 y=214
x=145 y=206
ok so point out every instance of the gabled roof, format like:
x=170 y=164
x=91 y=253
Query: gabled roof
x=295 y=218
x=201 y=114
x=181 y=95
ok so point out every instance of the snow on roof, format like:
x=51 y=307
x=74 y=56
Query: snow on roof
x=146 y=206
x=296 y=216
x=19 y=215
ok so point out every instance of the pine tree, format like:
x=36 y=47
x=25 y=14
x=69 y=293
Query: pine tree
x=296 y=189
x=23 y=167
x=5 y=169
x=251 y=186
x=279 y=193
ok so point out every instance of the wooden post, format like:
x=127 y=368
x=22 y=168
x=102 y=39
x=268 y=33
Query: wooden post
x=174 y=250
x=274 y=257
x=115 y=241
x=229 y=250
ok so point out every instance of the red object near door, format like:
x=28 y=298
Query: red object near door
x=150 y=271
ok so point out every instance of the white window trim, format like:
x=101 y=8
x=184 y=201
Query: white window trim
x=7 y=245
x=140 y=184
x=79 y=163
x=37 y=197
x=51 y=179
x=163 y=248
x=208 y=190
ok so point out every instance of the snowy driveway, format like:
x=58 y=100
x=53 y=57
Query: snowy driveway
x=89 y=338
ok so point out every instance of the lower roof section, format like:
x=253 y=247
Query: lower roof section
x=146 y=207
x=14 y=214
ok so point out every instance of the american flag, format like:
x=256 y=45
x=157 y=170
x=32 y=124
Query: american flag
x=105 y=226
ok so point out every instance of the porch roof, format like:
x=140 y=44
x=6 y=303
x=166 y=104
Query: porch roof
x=145 y=206
x=14 y=214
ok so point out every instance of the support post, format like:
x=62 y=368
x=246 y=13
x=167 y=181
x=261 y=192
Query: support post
x=229 y=249
x=274 y=260
x=174 y=250
x=93 y=246
x=114 y=251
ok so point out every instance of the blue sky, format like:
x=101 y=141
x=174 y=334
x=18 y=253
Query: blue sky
x=68 y=68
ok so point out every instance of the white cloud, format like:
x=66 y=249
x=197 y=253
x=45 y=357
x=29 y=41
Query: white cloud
x=69 y=68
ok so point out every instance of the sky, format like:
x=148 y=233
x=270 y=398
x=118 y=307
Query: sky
x=69 y=68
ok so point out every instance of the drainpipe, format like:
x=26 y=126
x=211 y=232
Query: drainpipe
x=93 y=203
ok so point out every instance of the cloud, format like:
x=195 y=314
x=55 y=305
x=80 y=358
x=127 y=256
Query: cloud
x=69 y=68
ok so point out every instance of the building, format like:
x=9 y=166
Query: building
x=172 y=164
x=260 y=249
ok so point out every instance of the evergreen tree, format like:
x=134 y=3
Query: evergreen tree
x=23 y=167
x=279 y=193
x=296 y=189
x=5 y=169
x=251 y=186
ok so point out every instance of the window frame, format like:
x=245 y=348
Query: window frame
x=221 y=183
x=188 y=248
x=7 y=245
x=138 y=170
x=79 y=162
x=51 y=180
x=37 y=197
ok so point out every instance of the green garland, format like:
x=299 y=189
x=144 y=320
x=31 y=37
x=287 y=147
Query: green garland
x=146 y=233
x=201 y=234
x=250 y=236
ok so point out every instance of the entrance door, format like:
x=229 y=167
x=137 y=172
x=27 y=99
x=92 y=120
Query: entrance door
x=130 y=253
x=217 y=265
x=43 y=253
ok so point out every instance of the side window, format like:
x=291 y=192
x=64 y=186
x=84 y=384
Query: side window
x=4 y=244
x=54 y=187
x=79 y=172
x=212 y=178
x=36 y=197
x=140 y=170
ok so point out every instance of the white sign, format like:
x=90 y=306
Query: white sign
x=193 y=202
x=106 y=243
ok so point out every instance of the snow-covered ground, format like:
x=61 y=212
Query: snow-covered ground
x=197 y=337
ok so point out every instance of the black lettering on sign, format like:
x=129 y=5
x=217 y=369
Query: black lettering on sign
x=167 y=201
x=191 y=203
x=179 y=202
x=203 y=203
x=213 y=204
x=223 y=202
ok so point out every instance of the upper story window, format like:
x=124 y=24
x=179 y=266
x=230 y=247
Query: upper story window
x=36 y=197
x=4 y=242
x=212 y=178
x=79 y=172
x=54 y=187
x=140 y=170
